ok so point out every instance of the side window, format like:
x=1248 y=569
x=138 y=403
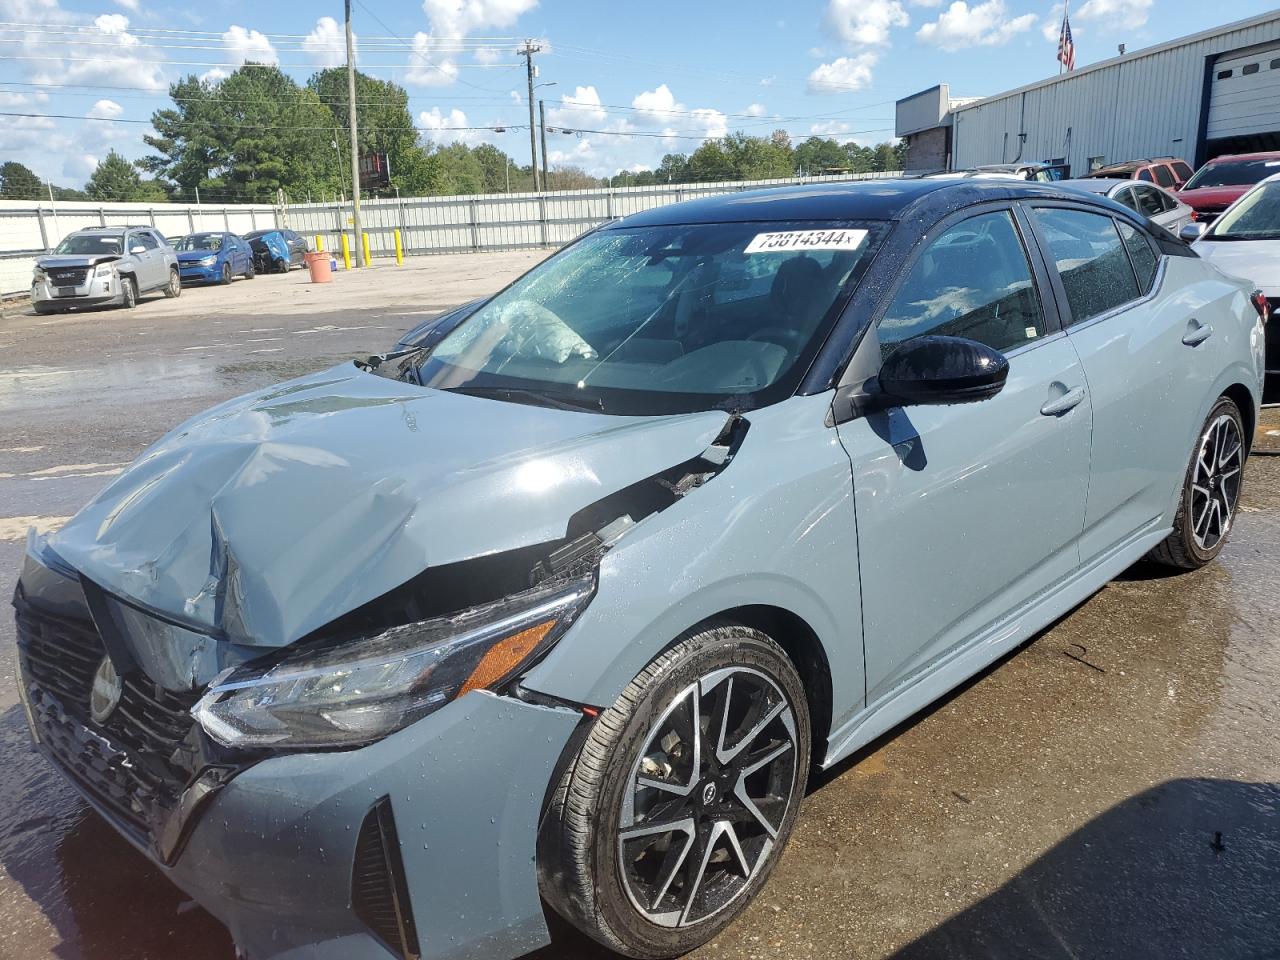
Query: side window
x=1091 y=260
x=1126 y=197
x=1149 y=202
x=1140 y=252
x=1164 y=176
x=145 y=238
x=1182 y=170
x=1145 y=174
x=974 y=280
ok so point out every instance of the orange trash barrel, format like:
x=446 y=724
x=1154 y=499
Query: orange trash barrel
x=318 y=265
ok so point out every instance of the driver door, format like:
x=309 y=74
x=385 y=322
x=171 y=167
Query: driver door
x=968 y=513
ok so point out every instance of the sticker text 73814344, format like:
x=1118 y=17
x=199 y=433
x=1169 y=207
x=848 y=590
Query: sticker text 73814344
x=806 y=240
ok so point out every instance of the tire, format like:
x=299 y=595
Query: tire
x=225 y=279
x=1207 y=506
x=280 y=266
x=173 y=289
x=250 y=272
x=128 y=293
x=638 y=890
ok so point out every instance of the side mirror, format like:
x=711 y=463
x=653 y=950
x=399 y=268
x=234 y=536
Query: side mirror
x=1192 y=231
x=941 y=370
x=135 y=250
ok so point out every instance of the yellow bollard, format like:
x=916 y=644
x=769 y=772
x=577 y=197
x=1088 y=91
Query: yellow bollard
x=364 y=238
x=319 y=244
x=399 y=250
x=346 y=253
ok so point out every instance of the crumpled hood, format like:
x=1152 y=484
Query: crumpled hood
x=270 y=515
x=77 y=260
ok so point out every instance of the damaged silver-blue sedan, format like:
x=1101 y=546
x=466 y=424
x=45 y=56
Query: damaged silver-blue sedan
x=557 y=606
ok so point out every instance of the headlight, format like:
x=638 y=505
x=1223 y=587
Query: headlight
x=38 y=275
x=351 y=694
x=104 y=270
x=208 y=261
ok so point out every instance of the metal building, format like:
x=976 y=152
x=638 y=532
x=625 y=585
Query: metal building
x=1197 y=97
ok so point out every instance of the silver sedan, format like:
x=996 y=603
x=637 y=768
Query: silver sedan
x=1148 y=200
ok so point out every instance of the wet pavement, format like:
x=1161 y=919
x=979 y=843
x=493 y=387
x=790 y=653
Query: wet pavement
x=1110 y=790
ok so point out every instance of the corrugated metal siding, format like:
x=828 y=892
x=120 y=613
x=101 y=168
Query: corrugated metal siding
x=1139 y=105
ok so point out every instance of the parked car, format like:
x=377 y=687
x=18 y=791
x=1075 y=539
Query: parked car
x=1224 y=180
x=1245 y=242
x=104 y=266
x=1168 y=172
x=1146 y=199
x=214 y=257
x=565 y=605
x=276 y=250
x=1040 y=172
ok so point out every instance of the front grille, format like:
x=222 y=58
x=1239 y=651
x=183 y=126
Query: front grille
x=68 y=276
x=379 y=892
x=132 y=763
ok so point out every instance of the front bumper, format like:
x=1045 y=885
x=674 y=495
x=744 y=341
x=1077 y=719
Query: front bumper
x=94 y=291
x=273 y=855
x=199 y=274
x=276 y=851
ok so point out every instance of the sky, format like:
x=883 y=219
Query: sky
x=630 y=81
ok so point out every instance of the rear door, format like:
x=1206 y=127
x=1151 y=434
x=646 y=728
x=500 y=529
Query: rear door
x=967 y=513
x=150 y=263
x=1137 y=341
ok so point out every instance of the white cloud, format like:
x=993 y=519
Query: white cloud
x=458 y=18
x=105 y=110
x=1120 y=14
x=214 y=75
x=441 y=127
x=487 y=55
x=244 y=45
x=427 y=68
x=79 y=166
x=984 y=24
x=326 y=44
x=756 y=110
x=660 y=107
x=127 y=4
x=865 y=23
x=843 y=75
x=657 y=104
x=101 y=53
x=98 y=126
x=115 y=24
x=581 y=108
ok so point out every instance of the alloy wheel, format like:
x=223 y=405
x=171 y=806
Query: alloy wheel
x=1215 y=481
x=707 y=796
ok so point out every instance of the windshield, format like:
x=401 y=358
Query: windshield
x=1255 y=217
x=257 y=234
x=1233 y=173
x=88 y=244
x=201 y=241
x=664 y=319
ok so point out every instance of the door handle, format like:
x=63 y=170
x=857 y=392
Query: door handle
x=1060 y=405
x=1197 y=333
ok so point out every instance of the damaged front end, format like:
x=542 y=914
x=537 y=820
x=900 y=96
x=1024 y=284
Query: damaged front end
x=150 y=715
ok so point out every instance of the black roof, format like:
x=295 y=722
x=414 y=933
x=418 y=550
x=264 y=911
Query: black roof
x=844 y=200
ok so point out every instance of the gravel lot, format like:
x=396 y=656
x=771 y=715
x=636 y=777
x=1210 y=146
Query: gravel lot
x=1112 y=790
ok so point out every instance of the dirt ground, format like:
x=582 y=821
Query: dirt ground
x=1110 y=790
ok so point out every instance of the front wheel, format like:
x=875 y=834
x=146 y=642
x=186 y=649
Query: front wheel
x=128 y=293
x=675 y=809
x=173 y=288
x=1210 y=491
x=249 y=271
x=282 y=266
x=225 y=279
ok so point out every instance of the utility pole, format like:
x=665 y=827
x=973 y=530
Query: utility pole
x=542 y=126
x=527 y=51
x=355 y=147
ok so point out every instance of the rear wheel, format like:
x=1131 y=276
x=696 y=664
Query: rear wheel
x=669 y=819
x=1210 y=491
x=226 y=274
x=249 y=271
x=128 y=293
x=173 y=288
x=281 y=266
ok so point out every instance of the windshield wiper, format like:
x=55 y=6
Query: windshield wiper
x=561 y=401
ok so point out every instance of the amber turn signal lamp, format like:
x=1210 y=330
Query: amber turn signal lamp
x=505 y=656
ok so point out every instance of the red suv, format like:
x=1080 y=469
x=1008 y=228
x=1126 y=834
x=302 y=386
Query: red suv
x=1169 y=172
x=1223 y=180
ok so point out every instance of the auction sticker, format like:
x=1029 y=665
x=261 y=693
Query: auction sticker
x=806 y=240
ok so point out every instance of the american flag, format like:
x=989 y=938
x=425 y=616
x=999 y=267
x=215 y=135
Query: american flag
x=1066 y=47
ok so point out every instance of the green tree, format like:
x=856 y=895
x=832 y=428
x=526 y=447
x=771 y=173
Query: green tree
x=673 y=169
x=757 y=158
x=18 y=182
x=710 y=162
x=494 y=167
x=245 y=138
x=114 y=179
x=819 y=155
x=884 y=158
